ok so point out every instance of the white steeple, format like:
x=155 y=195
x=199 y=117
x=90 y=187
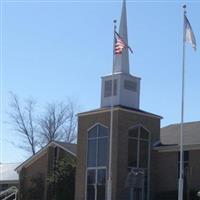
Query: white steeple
x=122 y=60
x=126 y=87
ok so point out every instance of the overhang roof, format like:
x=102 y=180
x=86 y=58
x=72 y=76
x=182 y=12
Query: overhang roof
x=119 y=107
x=176 y=148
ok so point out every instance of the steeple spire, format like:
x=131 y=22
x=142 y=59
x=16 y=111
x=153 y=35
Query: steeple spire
x=121 y=88
x=122 y=60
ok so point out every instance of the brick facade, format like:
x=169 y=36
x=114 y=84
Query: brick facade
x=123 y=120
x=166 y=179
x=40 y=169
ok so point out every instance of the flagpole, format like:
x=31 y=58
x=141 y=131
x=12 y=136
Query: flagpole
x=109 y=191
x=181 y=170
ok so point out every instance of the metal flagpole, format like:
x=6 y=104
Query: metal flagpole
x=181 y=170
x=109 y=191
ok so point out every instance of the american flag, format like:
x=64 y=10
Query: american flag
x=120 y=44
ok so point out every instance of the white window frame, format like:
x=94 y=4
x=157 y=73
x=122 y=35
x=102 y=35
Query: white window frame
x=97 y=167
x=139 y=126
x=96 y=181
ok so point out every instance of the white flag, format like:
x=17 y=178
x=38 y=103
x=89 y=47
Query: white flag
x=189 y=35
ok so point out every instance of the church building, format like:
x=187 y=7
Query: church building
x=118 y=148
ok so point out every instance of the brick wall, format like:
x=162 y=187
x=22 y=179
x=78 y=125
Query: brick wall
x=122 y=121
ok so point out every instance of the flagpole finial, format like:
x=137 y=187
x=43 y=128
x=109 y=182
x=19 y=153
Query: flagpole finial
x=184 y=8
x=115 y=26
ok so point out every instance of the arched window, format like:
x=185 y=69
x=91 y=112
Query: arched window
x=139 y=157
x=97 y=161
x=138 y=147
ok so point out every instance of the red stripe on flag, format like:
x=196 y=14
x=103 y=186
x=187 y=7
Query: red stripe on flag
x=119 y=46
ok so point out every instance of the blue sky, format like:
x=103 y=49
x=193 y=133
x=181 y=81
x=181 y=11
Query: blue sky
x=57 y=50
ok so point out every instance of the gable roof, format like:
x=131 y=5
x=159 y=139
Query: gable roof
x=68 y=147
x=8 y=173
x=171 y=134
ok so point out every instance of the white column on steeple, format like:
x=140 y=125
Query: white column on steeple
x=122 y=60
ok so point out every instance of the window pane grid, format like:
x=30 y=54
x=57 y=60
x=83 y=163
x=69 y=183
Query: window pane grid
x=139 y=143
x=97 y=190
x=96 y=185
x=97 y=138
x=91 y=155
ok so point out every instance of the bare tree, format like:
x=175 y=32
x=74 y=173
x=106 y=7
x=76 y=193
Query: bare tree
x=23 y=121
x=58 y=123
x=70 y=126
